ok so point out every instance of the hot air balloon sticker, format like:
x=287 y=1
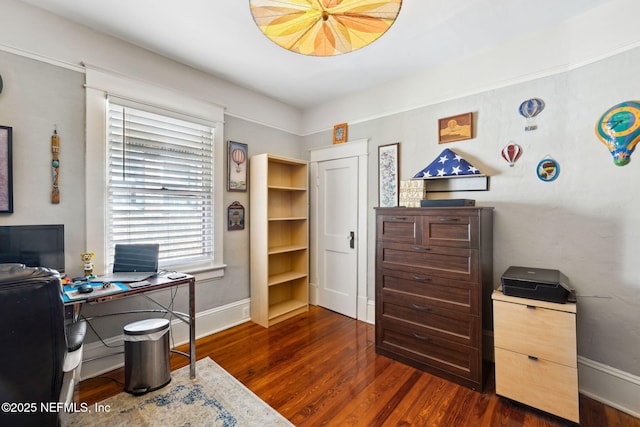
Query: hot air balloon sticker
x=548 y=169
x=511 y=153
x=237 y=166
x=529 y=109
x=619 y=129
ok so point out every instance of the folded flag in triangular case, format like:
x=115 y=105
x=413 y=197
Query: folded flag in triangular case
x=448 y=163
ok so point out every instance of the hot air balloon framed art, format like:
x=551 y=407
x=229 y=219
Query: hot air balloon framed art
x=548 y=169
x=619 y=129
x=237 y=166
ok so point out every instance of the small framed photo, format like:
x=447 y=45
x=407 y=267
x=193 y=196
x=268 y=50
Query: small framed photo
x=455 y=128
x=388 y=175
x=237 y=166
x=6 y=170
x=340 y=133
x=235 y=217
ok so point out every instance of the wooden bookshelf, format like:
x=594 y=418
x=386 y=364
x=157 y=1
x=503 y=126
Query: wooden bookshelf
x=279 y=223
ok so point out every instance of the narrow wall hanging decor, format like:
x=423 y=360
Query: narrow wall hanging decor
x=388 y=175
x=324 y=27
x=55 y=166
x=237 y=166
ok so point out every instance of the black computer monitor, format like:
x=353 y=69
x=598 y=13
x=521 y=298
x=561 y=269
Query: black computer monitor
x=33 y=245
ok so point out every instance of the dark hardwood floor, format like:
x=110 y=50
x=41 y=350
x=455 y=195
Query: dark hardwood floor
x=320 y=368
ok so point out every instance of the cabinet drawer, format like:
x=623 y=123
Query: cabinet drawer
x=534 y=331
x=397 y=228
x=449 y=263
x=456 y=231
x=402 y=338
x=424 y=319
x=434 y=291
x=539 y=383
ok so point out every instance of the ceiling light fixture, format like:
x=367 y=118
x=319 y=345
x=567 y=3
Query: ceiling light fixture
x=324 y=27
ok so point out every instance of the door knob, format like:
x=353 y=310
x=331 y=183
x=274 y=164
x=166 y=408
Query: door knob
x=352 y=238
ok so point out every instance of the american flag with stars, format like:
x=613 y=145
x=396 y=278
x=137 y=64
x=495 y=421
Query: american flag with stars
x=448 y=163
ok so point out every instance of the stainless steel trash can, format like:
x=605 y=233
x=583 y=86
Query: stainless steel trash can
x=146 y=355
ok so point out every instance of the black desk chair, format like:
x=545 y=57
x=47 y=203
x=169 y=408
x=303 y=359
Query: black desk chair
x=35 y=343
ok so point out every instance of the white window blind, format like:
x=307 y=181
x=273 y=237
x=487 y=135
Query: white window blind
x=160 y=184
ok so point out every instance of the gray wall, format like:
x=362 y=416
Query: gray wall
x=585 y=223
x=35 y=97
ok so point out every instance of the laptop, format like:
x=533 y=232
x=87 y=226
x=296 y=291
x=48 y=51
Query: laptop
x=133 y=263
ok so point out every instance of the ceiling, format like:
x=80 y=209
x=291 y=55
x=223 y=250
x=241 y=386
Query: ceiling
x=219 y=37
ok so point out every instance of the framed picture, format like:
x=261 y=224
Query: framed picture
x=455 y=128
x=237 y=166
x=340 y=133
x=388 y=175
x=235 y=217
x=6 y=172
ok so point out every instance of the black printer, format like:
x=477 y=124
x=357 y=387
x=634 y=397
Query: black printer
x=537 y=283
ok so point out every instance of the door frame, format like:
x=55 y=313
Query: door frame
x=359 y=149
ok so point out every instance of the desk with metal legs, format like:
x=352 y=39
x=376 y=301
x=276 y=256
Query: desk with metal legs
x=156 y=283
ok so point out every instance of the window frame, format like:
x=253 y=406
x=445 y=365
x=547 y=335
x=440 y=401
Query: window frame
x=100 y=85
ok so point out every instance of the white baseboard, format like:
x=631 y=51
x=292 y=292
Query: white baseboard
x=610 y=386
x=99 y=359
x=371 y=312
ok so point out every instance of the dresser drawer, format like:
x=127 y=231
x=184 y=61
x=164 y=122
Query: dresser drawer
x=425 y=319
x=457 y=231
x=404 y=339
x=539 y=383
x=434 y=291
x=449 y=263
x=534 y=331
x=397 y=228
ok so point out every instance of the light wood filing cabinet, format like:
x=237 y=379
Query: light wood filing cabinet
x=433 y=272
x=536 y=354
x=279 y=238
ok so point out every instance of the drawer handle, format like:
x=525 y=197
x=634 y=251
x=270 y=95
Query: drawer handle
x=421 y=308
x=531 y=307
x=532 y=358
x=399 y=218
x=449 y=219
x=421 y=278
x=420 y=248
x=421 y=337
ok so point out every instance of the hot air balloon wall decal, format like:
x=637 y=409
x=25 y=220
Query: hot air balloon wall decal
x=511 y=153
x=237 y=166
x=619 y=129
x=529 y=109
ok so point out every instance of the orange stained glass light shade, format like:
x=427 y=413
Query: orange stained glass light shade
x=324 y=27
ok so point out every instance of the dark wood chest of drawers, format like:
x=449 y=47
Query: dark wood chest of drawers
x=434 y=273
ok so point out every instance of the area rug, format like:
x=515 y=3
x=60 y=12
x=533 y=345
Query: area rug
x=213 y=398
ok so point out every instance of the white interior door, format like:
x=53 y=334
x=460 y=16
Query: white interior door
x=338 y=235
